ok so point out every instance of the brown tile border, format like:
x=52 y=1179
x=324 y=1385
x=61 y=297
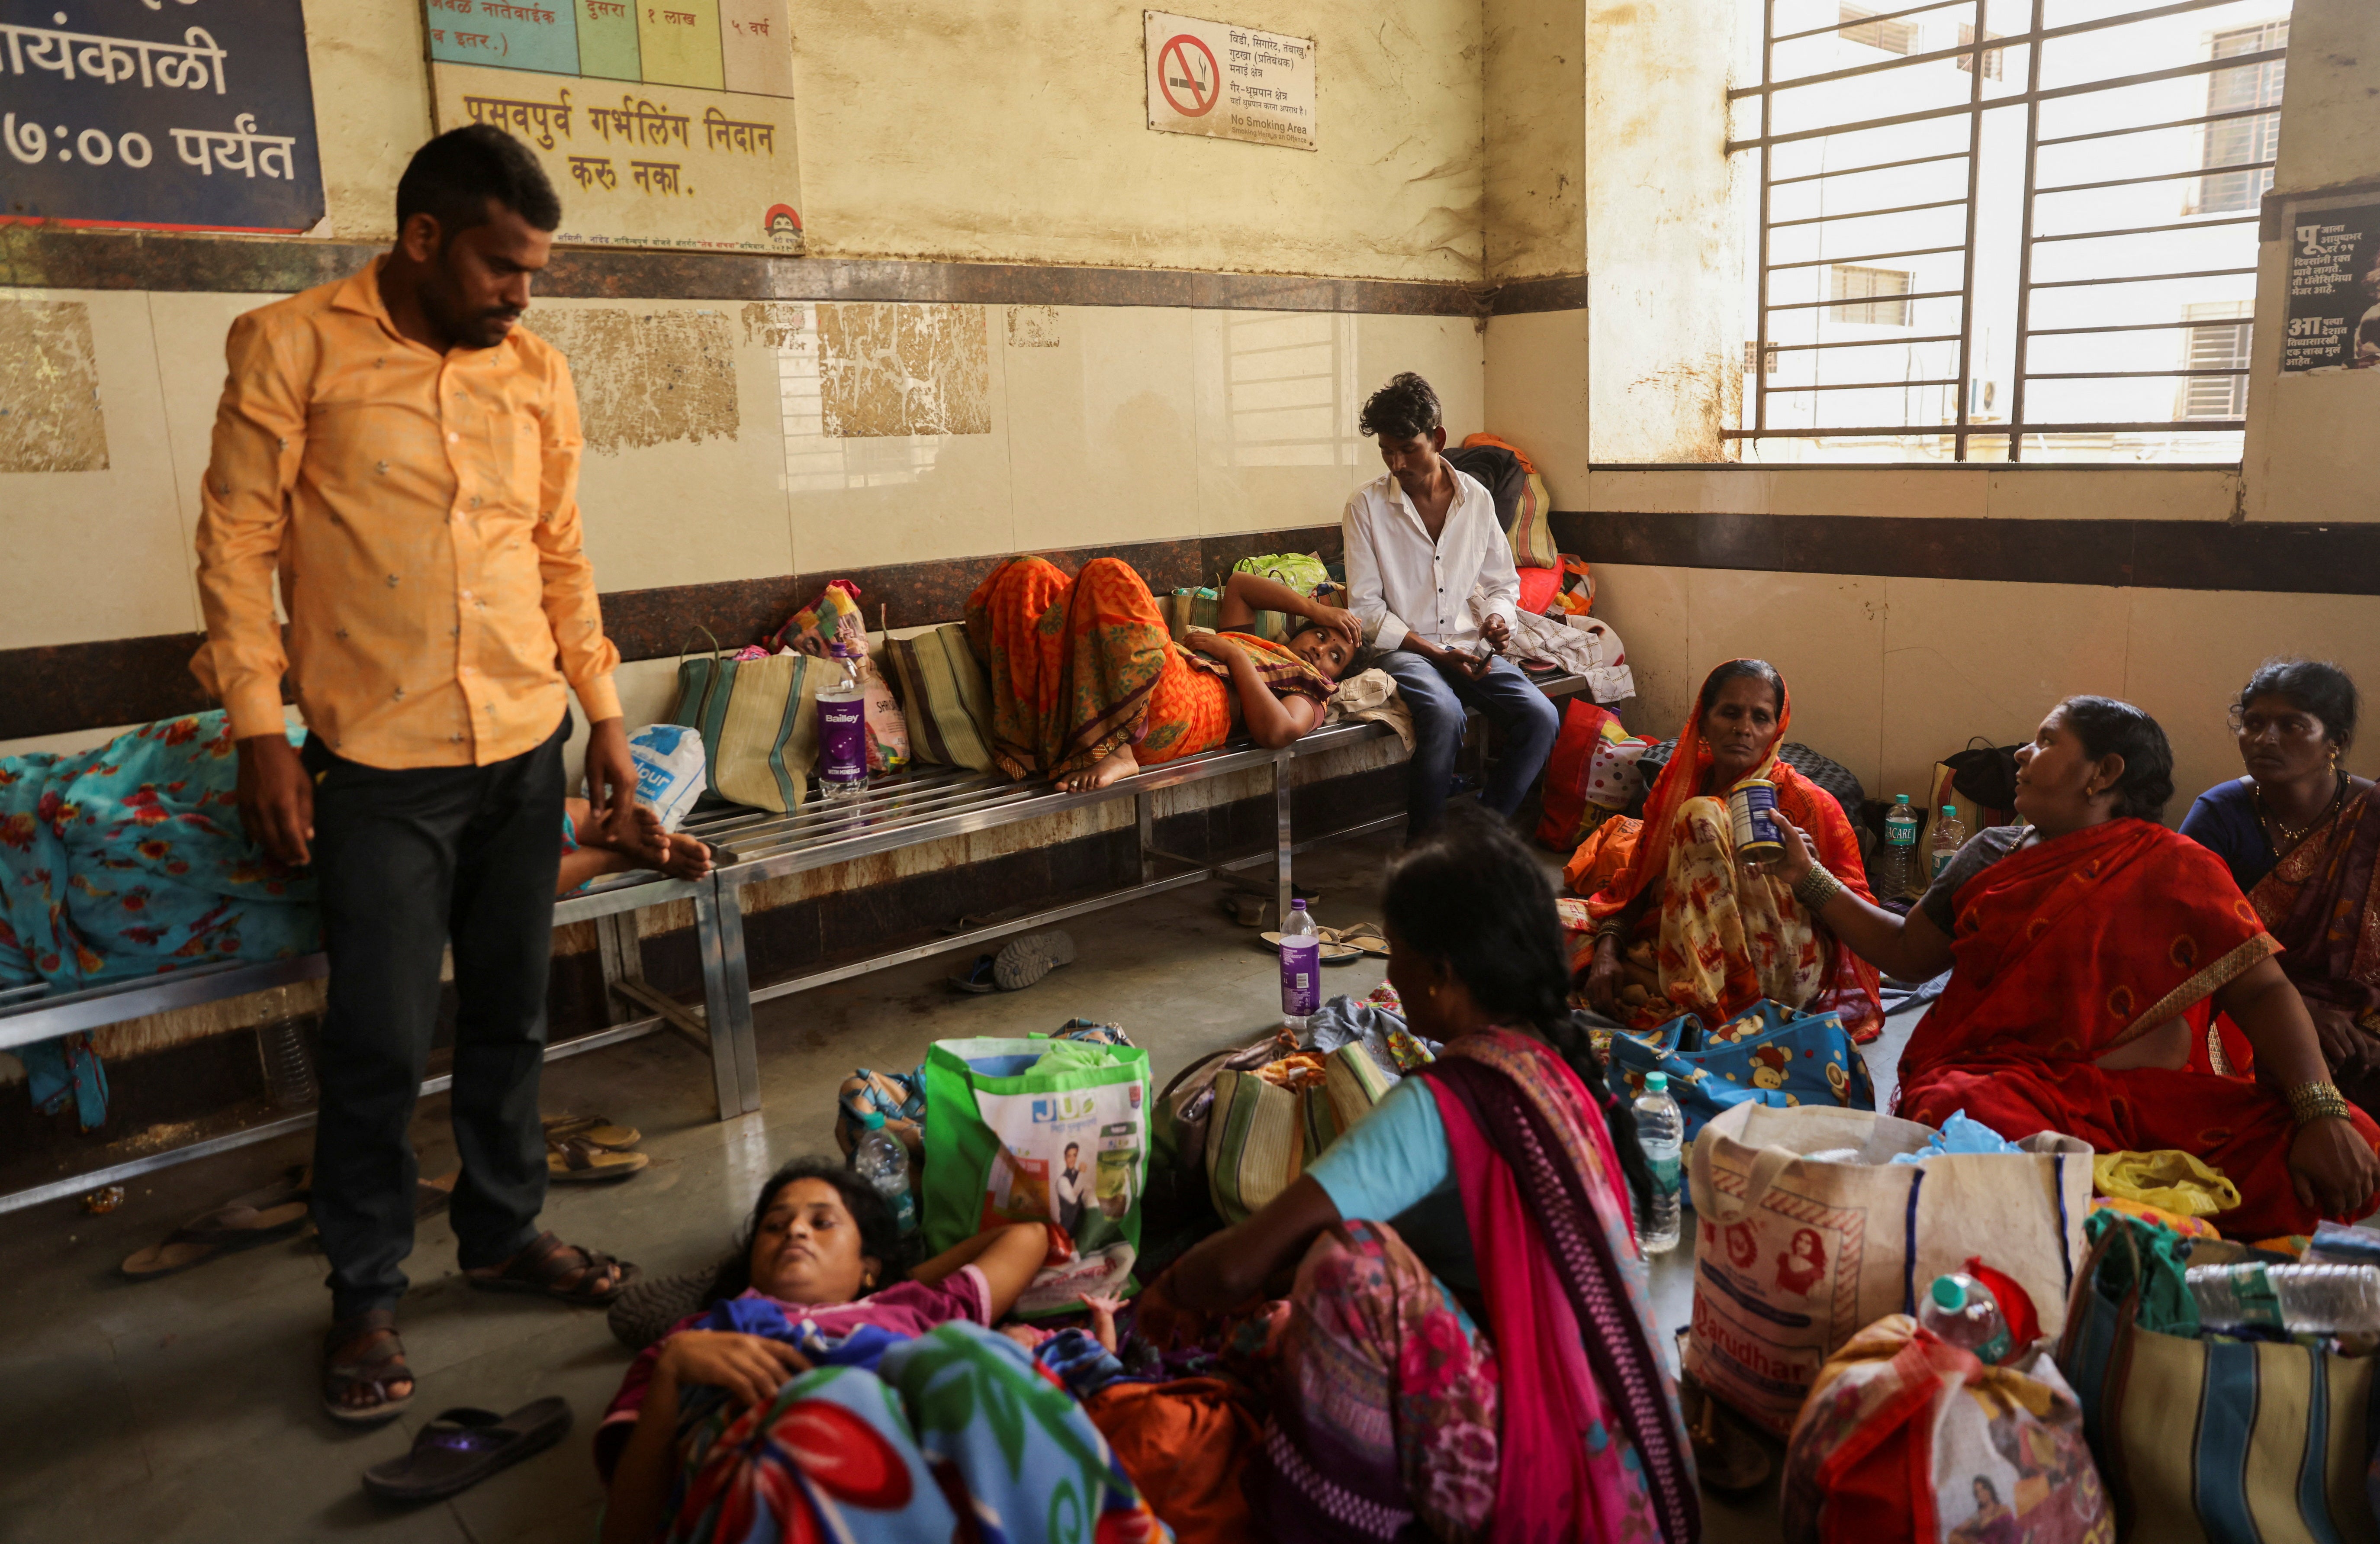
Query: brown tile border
x=47 y=257
x=64 y=688
x=2336 y=559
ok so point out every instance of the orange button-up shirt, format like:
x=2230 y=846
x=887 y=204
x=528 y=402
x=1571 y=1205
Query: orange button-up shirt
x=422 y=511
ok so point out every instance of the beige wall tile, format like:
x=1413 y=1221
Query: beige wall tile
x=1825 y=635
x=1535 y=394
x=1277 y=398
x=1102 y=425
x=1720 y=490
x=189 y=331
x=1928 y=492
x=2146 y=494
x=1650 y=608
x=1964 y=658
x=100 y=554
x=2191 y=651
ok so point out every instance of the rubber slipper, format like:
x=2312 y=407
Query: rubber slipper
x=975 y=920
x=979 y=977
x=596 y=1131
x=1365 y=936
x=463 y=1446
x=541 y=1267
x=378 y=1359
x=1028 y=959
x=1248 y=911
x=274 y=1212
x=574 y=1159
x=430 y=1196
x=1333 y=953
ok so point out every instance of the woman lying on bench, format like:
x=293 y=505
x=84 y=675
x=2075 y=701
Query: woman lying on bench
x=1088 y=685
x=821 y=1379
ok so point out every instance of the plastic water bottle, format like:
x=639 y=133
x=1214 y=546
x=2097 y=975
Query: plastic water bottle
x=288 y=1071
x=842 y=728
x=1899 y=848
x=1661 y=1128
x=1962 y=1311
x=1300 y=970
x=1950 y=835
x=883 y=1161
x=2297 y=1299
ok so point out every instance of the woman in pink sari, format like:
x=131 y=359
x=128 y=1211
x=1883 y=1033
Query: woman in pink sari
x=1468 y=1351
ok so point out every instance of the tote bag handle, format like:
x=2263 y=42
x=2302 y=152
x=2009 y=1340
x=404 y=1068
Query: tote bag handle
x=1767 y=1164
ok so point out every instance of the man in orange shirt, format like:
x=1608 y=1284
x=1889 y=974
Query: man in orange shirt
x=405 y=460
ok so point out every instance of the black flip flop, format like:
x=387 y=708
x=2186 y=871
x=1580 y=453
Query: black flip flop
x=464 y=1446
x=979 y=979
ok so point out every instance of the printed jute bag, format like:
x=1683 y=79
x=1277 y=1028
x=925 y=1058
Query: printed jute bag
x=758 y=723
x=1793 y=1256
x=1013 y=1139
x=1261 y=1134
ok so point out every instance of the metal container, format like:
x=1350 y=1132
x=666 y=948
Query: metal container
x=1751 y=805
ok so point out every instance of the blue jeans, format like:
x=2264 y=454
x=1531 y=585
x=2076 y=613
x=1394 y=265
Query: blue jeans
x=1522 y=715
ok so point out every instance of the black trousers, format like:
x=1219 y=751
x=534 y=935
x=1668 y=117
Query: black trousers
x=408 y=861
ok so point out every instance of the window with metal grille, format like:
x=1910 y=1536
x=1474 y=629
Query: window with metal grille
x=2054 y=207
x=1872 y=286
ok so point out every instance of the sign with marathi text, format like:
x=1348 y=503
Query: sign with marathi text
x=197 y=115
x=659 y=125
x=2334 y=247
x=1228 y=82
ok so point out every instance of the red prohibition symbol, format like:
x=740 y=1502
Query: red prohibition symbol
x=1174 y=68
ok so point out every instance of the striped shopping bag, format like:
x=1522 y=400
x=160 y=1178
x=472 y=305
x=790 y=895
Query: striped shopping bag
x=945 y=696
x=2217 y=1441
x=1261 y=1136
x=759 y=724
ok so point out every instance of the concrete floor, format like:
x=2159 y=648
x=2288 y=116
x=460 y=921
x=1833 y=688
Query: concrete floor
x=185 y=1408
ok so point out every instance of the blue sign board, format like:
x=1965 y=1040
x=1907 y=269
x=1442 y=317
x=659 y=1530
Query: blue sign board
x=170 y=115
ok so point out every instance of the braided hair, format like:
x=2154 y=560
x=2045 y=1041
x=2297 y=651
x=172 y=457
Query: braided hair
x=1472 y=895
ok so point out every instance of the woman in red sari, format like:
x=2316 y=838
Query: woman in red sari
x=1723 y=936
x=2076 y=945
x=1088 y=685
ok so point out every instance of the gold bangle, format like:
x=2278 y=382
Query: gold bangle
x=2310 y=1103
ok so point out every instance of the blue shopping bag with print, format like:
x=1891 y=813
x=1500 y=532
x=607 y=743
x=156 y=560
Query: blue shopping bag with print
x=1771 y=1054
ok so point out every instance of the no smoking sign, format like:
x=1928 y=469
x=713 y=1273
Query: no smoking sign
x=1221 y=80
x=1186 y=76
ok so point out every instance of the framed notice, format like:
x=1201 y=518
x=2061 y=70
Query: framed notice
x=196 y=116
x=2333 y=285
x=1228 y=82
x=659 y=125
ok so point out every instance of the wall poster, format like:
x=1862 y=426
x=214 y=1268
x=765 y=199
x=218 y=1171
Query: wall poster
x=195 y=115
x=1228 y=82
x=2334 y=286
x=661 y=124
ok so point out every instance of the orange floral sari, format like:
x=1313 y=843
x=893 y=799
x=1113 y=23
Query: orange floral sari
x=1724 y=938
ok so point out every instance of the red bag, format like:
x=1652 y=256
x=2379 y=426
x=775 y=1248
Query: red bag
x=1566 y=771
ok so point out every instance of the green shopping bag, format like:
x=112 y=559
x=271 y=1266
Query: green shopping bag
x=1041 y=1131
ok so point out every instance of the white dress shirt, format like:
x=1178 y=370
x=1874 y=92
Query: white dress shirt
x=1399 y=583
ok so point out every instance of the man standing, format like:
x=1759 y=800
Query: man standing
x=1419 y=541
x=407 y=460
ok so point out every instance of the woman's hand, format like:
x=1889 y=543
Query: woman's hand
x=1605 y=978
x=1214 y=645
x=751 y=1369
x=2333 y=1167
x=1160 y=1320
x=1798 y=861
x=1346 y=624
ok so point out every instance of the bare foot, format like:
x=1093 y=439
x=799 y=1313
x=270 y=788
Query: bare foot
x=689 y=859
x=1119 y=762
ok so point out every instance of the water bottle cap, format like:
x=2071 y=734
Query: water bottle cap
x=1656 y=1082
x=1949 y=1293
x=1297 y=906
x=1901 y=798
x=1951 y=810
x=872 y=1121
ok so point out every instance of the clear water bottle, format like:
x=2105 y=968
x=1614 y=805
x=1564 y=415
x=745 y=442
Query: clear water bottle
x=883 y=1161
x=843 y=727
x=1661 y=1129
x=2297 y=1299
x=1950 y=835
x=1963 y=1312
x=1899 y=848
x=1300 y=970
x=288 y=1071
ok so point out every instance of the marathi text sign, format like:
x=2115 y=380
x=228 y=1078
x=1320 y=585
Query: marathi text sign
x=720 y=45
x=1228 y=82
x=2334 y=287
x=647 y=166
x=194 y=116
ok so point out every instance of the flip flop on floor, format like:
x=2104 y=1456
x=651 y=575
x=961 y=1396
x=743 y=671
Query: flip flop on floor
x=576 y=1159
x=596 y=1131
x=1332 y=953
x=979 y=979
x=553 y=1269
x=460 y=1448
x=430 y=1196
x=274 y=1212
x=1365 y=936
x=1028 y=959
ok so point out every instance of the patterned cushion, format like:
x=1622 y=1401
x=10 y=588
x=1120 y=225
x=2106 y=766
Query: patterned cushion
x=1533 y=532
x=945 y=695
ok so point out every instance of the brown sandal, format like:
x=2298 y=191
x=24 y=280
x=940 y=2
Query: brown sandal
x=553 y=1269
x=364 y=1353
x=575 y=1158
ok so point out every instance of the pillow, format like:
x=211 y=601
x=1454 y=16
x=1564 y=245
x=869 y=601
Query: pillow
x=945 y=695
x=1533 y=532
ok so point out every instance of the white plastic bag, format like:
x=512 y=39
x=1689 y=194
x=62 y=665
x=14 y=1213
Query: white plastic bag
x=669 y=769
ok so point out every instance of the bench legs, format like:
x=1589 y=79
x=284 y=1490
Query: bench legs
x=727 y=999
x=1281 y=839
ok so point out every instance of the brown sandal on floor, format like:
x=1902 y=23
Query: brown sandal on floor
x=365 y=1353
x=553 y=1269
x=575 y=1157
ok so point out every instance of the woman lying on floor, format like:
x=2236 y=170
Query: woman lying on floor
x=1469 y=1343
x=1087 y=685
x=824 y=1389
x=2076 y=943
x=1716 y=937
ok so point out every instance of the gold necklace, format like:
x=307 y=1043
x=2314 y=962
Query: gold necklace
x=2290 y=838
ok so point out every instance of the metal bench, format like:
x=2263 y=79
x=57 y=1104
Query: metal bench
x=925 y=804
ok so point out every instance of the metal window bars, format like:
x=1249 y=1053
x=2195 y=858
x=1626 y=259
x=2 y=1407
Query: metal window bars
x=2025 y=418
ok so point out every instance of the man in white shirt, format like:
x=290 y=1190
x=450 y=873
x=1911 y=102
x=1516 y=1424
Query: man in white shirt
x=1420 y=540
